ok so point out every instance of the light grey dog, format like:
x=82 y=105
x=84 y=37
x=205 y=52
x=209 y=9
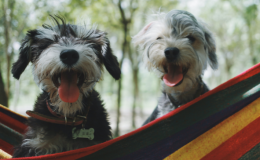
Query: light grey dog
x=178 y=48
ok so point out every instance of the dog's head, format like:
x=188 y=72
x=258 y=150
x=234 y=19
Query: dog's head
x=178 y=47
x=67 y=61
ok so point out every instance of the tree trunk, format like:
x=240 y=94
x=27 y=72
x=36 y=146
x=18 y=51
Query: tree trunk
x=125 y=22
x=135 y=95
x=117 y=131
x=8 y=61
x=3 y=96
x=7 y=8
x=251 y=45
x=124 y=45
x=118 y=112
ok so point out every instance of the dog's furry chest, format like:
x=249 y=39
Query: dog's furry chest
x=46 y=138
x=165 y=105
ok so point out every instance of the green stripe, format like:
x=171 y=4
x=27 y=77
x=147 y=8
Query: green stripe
x=191 y=115
x=9 y=135
x=254 y=153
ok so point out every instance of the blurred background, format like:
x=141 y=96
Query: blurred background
x=129 y=101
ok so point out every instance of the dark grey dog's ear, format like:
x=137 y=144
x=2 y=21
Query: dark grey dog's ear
x=110 y=61
x=24 y=55
x=210 y=48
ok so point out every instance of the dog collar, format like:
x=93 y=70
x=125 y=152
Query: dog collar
x=59 y=119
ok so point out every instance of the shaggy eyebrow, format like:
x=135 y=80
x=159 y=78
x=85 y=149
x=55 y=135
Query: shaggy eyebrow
x=151 y=45
x=174 y=32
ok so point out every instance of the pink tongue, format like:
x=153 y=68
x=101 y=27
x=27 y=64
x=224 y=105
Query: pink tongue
x=173 y=77
x=68 y=89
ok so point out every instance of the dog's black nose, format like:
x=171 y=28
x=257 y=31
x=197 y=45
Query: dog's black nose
x=171 y=53
x=69 y=56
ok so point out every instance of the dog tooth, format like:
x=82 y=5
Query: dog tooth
x=59 y=80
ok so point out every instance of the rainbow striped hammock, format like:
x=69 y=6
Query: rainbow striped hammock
x=224 y=123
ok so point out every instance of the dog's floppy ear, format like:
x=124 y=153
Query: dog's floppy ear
x=210 y=48
x=139 y=38
x=24 y=56
x=110 y=61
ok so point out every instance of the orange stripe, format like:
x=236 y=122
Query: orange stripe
x=214 y=137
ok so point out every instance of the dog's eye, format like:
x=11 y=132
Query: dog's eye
x=191 y=39
x=159 y=38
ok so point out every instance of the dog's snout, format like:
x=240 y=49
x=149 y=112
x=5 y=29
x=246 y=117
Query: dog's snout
x=171 y=53
x=69 y=56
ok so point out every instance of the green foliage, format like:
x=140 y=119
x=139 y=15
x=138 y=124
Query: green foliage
x=250 y=14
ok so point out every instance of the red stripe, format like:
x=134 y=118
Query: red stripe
x=12 y=123
x=6 y=147
x=75 y=154
x=236 y=146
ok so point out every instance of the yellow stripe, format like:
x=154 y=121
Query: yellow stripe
x=4 y=155
x=214 y=137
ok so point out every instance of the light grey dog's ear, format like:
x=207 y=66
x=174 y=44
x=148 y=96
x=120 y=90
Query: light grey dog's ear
x=139 y=38
x=210 y=48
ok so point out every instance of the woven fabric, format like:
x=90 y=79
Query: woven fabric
x=12 y=120
x=213 y=138
x=243 y=145
x=178 y=140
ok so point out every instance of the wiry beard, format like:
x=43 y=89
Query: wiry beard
x=67 y=109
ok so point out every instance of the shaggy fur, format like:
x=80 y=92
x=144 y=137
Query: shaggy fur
x=192 y=47
x=44 y=48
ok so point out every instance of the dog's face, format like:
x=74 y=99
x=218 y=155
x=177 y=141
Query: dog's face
x=67 y=62
x=178 y=48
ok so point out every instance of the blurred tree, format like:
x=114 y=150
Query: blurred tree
x=13 y=15
x=249 y=15
x=126 y=20
x=7 y=10
x=235 y=25
x=3 y=97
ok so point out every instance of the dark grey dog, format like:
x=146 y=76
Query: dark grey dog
x=67 y=62
x=177 y=47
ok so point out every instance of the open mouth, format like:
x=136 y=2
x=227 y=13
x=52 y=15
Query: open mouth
x=174 y=75
x=68 y=84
